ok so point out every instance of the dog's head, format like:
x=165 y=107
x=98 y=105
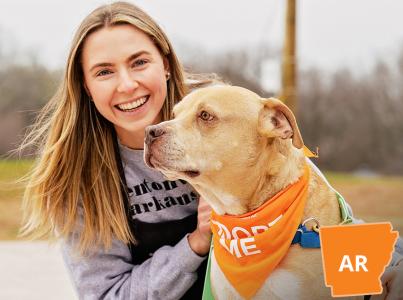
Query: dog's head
x=219 y=137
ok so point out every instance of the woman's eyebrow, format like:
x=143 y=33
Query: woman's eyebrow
x=102 y=64
x=131 y=57
x=137 y=54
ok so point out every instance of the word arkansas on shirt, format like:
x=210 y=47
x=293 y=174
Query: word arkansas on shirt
x=151 y=189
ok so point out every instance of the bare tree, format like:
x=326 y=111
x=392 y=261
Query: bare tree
x=23 y=91
x=357 y=122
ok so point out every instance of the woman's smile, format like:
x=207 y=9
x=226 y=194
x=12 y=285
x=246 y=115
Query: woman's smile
x=132 y=105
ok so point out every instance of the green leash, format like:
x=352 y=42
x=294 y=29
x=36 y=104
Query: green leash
x=345 y=213
x=207 y=295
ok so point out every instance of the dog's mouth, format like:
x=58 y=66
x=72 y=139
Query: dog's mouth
x=147 y=158
x=153 y=163
x=192 y=173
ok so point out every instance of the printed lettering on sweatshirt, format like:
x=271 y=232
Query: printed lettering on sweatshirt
x=154 y=203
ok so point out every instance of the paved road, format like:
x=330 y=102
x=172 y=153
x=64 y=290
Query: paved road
x=33 y=271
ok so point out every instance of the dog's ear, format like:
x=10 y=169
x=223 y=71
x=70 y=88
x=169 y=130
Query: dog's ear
x=277 y=120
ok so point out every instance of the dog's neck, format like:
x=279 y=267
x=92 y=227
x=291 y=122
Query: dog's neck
x=285 y=166
x=282 y=165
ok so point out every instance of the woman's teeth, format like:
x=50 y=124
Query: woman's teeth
x=132 y=105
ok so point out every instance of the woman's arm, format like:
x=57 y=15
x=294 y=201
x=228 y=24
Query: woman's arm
x=168 y=274
x=111 y=274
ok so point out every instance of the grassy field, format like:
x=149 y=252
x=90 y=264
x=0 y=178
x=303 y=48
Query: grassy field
x=376 y=199
x=10 y=197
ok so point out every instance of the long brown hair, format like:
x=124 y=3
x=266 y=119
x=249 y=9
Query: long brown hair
x=77 y=164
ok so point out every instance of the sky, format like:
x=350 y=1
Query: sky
x=331 y=33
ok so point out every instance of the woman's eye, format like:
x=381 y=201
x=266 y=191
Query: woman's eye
x=139 y=63
x=205 y=116
x=103 y=72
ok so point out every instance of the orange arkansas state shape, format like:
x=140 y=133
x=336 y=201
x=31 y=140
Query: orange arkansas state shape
x=355 y=256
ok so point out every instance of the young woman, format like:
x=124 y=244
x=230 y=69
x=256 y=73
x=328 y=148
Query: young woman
x=128 y=232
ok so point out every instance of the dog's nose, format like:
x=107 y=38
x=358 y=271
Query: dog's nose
x=153 y=132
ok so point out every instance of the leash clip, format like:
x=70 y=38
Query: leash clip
x=314 y=227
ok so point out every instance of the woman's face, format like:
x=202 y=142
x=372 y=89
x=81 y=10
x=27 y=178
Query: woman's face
x=125 y=75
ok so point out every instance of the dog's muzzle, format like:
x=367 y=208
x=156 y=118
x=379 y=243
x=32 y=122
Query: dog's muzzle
x=154 y=141
x=152 y=133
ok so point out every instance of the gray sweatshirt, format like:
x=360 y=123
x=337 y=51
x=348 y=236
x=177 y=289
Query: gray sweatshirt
x=168 y=272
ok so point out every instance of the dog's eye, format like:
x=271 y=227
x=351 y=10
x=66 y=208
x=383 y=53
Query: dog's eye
x=205 y=116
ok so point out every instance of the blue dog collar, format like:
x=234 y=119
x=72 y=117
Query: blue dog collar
x=306 y=238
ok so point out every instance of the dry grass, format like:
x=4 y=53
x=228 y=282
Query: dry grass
x=372 y=199
x=10 y=197
x=378 y=199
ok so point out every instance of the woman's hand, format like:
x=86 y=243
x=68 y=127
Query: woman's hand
x=200 y=239
x=392 y=282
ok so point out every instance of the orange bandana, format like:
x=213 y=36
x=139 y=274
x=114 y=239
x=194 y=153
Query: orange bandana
x=248 y=247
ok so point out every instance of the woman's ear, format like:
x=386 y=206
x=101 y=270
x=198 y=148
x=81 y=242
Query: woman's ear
x=277 y=120
x=166 y=68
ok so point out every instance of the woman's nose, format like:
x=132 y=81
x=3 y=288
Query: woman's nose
x=126 y=83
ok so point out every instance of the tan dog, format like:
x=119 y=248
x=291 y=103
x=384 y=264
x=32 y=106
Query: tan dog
x=238 y=150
